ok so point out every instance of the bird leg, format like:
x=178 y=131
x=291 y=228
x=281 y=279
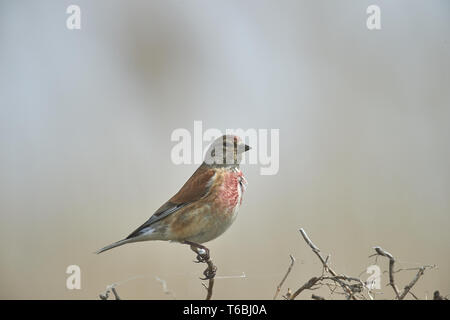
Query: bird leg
x=203 y=257
x=201 y=251
x=210 y=272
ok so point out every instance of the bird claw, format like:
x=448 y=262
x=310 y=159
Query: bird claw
x=202 y=257
x=209 y=273
x=202 y=253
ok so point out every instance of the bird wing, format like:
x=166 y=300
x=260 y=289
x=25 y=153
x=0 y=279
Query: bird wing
x=197 y=186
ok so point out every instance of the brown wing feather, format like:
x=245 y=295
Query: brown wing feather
x=194 y=189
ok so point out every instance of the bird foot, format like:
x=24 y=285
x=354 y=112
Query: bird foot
x=202 y=257
x=209 y=273
x=201 y=251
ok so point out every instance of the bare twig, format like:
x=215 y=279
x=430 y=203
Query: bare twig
x=285 y=276
x=409 y=286
x=326 y=267
x=437 y=296
x=353 y=287
x=210 y=272
x=241 y=276
x=116 y=295
x=110 y=288
x=288 y=294
x=414 y=296
x=307 y=285
x=164 y=287
x=386 y=254
x=317 y=252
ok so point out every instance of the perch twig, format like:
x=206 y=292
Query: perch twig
x=386 y=254
x=285 y=276
x=210 y=272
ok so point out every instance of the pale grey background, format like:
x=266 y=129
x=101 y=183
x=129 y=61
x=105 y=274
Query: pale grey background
x=86 y=118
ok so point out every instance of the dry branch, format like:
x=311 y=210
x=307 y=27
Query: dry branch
x=308 y=285
x=164 y=287
x=110 y=288
x=386 y=254
x=413 y=282
x=285 y=276
x=353 y=287
x=210 y=272
x=437 y=296
x=326 y=267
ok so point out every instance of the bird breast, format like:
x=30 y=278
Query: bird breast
x=232 y=188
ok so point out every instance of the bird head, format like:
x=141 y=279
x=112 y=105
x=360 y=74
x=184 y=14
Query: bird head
x=226 y=151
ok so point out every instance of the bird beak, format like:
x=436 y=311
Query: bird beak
x=246 y=148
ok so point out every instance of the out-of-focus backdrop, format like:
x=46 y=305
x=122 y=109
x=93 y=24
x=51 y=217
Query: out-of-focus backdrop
x=86 y=117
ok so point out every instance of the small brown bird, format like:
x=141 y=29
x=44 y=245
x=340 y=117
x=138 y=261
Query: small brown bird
x=205 y=206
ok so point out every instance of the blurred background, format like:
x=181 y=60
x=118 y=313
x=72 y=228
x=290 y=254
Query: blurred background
x=86 y=118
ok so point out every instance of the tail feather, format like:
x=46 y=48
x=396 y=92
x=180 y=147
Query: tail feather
x=115 y=244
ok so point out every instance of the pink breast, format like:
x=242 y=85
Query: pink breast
x=230 y=194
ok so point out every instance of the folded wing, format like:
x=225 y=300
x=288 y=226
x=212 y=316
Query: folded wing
x=197 y=187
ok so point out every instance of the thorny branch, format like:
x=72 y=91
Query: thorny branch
x=386 y=254
x=285 y=276
x=437 y=296
x=164 y=287
x=110 y=288
x=408 y=287
x=210 y=272
x=307 y=285
x=412 y=283
x=326 y=268
x=202 y=257
x=353 y=287
x=113 y=287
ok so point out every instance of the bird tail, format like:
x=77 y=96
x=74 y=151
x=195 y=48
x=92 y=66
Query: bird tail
x=115 y=244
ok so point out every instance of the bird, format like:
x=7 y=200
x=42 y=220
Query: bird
x=205 y=206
